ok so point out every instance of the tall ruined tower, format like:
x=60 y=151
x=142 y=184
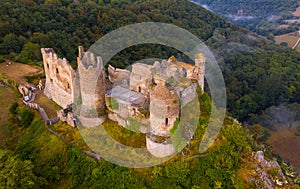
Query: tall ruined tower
x=164 y=110
x=59 y=78
x=92 y=80
x=200 y=63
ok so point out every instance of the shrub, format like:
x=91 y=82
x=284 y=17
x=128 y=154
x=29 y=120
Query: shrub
x=9 y=81
x=2 y=60
x=26 y=115
x=13 y=108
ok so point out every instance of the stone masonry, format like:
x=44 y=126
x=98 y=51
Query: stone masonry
x=59 y=78
x=148 y=98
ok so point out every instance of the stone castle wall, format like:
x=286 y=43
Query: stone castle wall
x=118 y=76
x=164 y=107
x=59 y=78
x=92 y=83
x=200 y=63
x=140 y=78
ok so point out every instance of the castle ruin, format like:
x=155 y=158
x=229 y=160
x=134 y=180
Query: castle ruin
x=59 y=78
x=149 y=96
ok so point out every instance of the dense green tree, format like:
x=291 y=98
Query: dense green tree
x=30 y=52
x=42 y=39
x=13 y=108
x=15 y=173
x=12 y=43
x=257 y=73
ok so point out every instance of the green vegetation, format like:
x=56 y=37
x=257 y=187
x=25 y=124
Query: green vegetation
x=34 y=79
x=2 y=60
x=53 y=163
x=258 y=74
x=260 y=16
x=129 y=137
x=26 y=116
x=44 y=160
x=8 y=97
x=13 y=108
x=15 y=173
x=112 y=103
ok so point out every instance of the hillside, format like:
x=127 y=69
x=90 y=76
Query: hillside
x=258 y=74
x=33 y=157
x=260 y=16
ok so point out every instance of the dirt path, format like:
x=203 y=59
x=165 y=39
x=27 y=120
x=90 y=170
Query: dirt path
x=286 y=145
x=15 y=71
x=297 y=12
x=18 y=71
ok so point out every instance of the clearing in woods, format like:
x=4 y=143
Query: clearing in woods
x=286 y=144
x=297 y=12
x=289 y=38
x=17 y=71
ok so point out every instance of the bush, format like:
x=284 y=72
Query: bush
x=2 y=60
x=9 y=81
x=33 y=79
x=26 y=115
x=13 y=108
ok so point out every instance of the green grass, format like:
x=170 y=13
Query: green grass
x=124 y=136
x=34 y=79
x=113 y=104
x=8 y=96
x=70 y=134
x=298 y=48
x=50 y=106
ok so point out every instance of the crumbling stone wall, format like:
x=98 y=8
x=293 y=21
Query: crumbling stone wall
x=59 y=78
x=200 y=63
x=140 y=78
x=118 y=76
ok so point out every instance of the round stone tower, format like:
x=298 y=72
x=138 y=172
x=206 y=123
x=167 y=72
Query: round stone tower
x=92 y=80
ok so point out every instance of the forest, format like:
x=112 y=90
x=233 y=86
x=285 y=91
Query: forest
x=257 y=73
x=260 y=16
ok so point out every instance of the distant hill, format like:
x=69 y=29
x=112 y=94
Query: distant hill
x=260 y=16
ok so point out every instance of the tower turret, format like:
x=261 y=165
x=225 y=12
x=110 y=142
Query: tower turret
x=92 y=80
